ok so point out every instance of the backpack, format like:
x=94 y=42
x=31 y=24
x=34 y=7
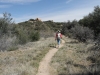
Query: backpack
x=59 y=36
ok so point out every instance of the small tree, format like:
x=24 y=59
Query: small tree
x=82 y=33
x=5 y=23
x=92 y=20
x=67 y=26
x=34 y=36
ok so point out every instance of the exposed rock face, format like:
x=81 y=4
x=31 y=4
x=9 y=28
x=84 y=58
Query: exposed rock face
x=31 y=21
x=37 y=19
x=34 y=20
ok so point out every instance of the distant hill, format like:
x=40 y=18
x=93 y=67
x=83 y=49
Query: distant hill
x=23 y=32
x=38 y=24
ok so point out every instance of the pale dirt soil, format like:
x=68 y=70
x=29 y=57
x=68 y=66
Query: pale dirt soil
x=44 y=67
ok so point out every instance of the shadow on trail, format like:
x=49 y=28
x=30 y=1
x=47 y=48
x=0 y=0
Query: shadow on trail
x=53 y=46
x=72 y=42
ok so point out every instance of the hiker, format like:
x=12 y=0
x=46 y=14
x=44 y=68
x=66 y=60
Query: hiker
x=58 y=37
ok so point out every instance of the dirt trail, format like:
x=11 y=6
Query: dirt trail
x=44 y=64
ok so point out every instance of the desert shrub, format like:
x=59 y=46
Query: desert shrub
x=34 y=36
x=22 y=36
x=25 y=35
x=6 y=24
x=7 y=42
x=67 y=26
x=94 y=58
x=98 y=40
x=7 y=38
x=92 y=20
x=95 y=51
x=46 y=34
x=81 y=33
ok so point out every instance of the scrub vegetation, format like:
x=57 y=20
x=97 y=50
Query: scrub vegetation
x=23 y=45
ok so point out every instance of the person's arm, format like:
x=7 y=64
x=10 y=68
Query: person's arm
x=61 y=35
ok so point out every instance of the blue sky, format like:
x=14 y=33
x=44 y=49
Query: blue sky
x=56 y=10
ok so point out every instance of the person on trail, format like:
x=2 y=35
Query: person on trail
x=58 y=37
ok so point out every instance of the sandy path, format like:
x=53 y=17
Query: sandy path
x=44 y=64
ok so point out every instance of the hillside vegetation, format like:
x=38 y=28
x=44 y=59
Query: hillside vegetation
x=23 y=45
x=12 y=35
x=81 y=53
x=76 y=58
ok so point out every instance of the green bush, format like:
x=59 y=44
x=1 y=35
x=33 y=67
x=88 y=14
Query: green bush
x=7 y=38
x=67 y=26
x=92 y=20
x=23 y=38
x=34 y=36
x=5 y=23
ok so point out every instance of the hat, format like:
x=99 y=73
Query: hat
x=58 y=30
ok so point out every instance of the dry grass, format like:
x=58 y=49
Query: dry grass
x=71 y=59
x=25 y=60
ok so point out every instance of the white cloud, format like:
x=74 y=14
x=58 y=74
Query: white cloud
x=18 y=1
x=68 y=1
x=68 y=15
x=4 y=6
x=61 y=16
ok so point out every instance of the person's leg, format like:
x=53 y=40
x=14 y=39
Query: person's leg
x=58 y=41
